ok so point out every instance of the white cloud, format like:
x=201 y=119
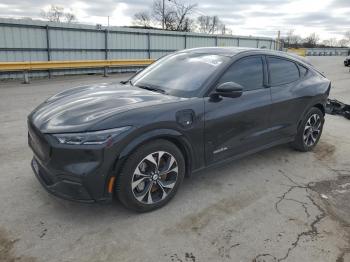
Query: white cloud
x=328 y=18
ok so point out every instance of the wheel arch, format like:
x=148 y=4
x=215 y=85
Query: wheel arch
x=321 y=107
x=318 y=105
x=173 y=136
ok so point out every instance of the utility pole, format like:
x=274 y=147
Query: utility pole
x=163 y=11
x=163 y=18
x=105 y=69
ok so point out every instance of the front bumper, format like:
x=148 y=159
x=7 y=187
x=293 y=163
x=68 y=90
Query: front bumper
x=78 y=173
x=60 y=187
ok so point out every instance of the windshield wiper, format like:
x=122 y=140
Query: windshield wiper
x=152 y=88
x=126 y=82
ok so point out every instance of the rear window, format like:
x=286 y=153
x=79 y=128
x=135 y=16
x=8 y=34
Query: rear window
x=282 y=71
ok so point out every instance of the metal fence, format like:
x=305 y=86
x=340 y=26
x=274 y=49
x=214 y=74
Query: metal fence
x=328 y=51
x=28 y=40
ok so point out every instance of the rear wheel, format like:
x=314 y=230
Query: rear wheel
x=309 y=131
x=151 y=176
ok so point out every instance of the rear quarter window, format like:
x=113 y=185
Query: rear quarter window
x=282 y=71
x=303 y=70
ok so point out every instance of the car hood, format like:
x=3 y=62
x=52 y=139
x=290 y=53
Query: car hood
x=77 y=109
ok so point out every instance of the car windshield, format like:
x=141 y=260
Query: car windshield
x=180 y=74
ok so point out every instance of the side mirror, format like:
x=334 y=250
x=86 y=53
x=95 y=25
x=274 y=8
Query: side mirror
x=229 y=89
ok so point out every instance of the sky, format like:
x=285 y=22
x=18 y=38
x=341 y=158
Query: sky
x=327 y=18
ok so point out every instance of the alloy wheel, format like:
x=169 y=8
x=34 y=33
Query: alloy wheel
x=154 y=177
x=312 y=130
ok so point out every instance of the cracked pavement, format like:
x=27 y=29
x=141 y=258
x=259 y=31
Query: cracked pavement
x=276 y=205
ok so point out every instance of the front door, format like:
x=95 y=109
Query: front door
x=237 y=125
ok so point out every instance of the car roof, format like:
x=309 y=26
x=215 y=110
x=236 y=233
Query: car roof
x=233 y=51
x=225 y=51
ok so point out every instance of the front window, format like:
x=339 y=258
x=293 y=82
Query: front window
x=248 y=72
x=180 y=74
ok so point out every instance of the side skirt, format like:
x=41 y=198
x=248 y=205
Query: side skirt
x=249 y=152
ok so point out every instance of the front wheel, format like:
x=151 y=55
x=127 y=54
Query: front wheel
x=309 y=131
x=151 y=176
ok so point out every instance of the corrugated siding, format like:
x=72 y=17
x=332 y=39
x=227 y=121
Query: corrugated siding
x=26 y=40
x=327 y=51
x=127 y=41
x=77 y=39
x=194 y=41
x=264 y=44
x=248 y=42
x=227 y=41
x=22 y=37
x=167 y=42
x=77 y=55
x=22 y=56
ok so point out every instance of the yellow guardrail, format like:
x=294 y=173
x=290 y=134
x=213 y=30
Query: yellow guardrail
x=298 y=51
x=47 y=65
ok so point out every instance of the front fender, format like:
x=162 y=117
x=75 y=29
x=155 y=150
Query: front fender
x=154 y=134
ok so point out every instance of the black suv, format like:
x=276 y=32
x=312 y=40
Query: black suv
x=188 y=110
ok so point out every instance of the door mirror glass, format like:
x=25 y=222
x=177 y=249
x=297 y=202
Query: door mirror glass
x=229 y=89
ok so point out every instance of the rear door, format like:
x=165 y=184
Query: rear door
x=237 y=125
x=288 y=100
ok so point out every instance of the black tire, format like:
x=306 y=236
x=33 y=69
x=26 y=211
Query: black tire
x=299 y=143
x=124 y=190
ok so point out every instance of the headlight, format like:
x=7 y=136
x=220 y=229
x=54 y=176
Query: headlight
x=90 y=138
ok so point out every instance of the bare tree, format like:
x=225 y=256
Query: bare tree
x=210 y=24
x=176 y=15
x=58 y=14
x=142 y=18
x=311 y=40
x=292 y=40
x=333 y=42
x=182 y=12
x=343 y=42
x=326 y=42
x=290 y=35
x=70 y=17
x=167 y=17
x=296 y=40
x=54 y=14
x=347 y=36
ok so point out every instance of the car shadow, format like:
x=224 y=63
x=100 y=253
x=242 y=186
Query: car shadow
x=207 y=179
